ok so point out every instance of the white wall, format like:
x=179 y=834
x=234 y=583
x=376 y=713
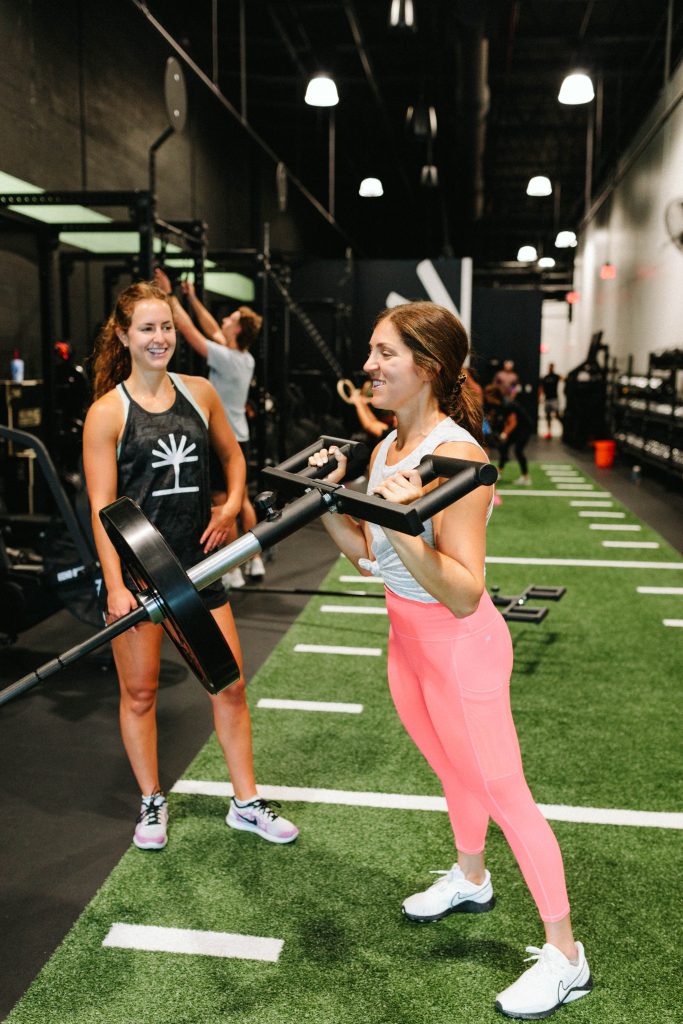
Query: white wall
x=641 y=310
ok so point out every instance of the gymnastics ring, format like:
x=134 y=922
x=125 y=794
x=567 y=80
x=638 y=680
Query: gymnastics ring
x=345 y=390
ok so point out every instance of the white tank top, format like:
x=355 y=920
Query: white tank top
x=386 y=563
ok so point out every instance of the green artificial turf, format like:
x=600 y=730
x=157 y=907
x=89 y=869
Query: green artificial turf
x=596 y=698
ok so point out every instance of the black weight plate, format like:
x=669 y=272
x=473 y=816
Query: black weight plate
x=155 y=568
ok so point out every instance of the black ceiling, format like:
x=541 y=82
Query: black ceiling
x=491 y=70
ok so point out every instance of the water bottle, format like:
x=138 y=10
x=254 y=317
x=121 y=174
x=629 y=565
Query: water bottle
x=636 y=475
x=17 y=367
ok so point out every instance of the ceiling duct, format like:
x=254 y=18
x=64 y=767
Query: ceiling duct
x=473 y=101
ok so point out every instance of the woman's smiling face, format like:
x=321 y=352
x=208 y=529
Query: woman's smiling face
x=391 y=368
x=151 y=336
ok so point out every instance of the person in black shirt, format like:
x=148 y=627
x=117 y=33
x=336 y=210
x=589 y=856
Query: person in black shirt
x=547 y=392
x=511 y=427
x=147 y=435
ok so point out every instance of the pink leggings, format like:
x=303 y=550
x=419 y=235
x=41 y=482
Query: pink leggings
x=450 y=682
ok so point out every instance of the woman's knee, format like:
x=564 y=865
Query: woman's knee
x=232 y=697
x=139 y=700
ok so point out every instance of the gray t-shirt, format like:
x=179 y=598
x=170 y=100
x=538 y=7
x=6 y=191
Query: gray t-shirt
x=230 y=372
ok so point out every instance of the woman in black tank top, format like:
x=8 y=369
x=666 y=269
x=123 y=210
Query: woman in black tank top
x=148 y=435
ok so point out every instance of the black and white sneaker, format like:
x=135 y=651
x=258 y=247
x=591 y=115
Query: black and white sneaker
x=451 y=894
x=552 y=982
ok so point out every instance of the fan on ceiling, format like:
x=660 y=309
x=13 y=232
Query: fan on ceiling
x=673 y=218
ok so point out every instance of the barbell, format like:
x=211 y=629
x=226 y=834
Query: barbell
x=170 y=596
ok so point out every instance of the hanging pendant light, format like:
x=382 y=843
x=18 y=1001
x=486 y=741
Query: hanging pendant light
x=527 y=254
x=565 y=240
x=546 y=263
x=539 y=186
x=577 y=88
x=321 y=92
x=402 y=15
x=371 y=188
x=429 y=176
x=422 y=119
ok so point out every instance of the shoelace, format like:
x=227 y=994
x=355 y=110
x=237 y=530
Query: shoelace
x=542 y=961
x=264 y=808
x=150 y=810
x=447 y=876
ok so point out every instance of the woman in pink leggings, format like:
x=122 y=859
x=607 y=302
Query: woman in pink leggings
x=450 y=653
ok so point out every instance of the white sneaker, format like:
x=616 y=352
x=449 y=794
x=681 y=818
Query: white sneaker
x=550 y=983
x=234 y=579
x=152 y=823
x=258 y=816
x=451 y=894
x=255 y=568
x=523 y=481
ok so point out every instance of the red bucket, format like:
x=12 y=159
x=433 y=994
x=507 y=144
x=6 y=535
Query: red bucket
x=604 y=453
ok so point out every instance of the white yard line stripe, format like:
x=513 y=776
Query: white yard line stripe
x=189 y=940
x=353 y=609
x=309 y=705
x=587 y=503
x=526 y=492
x=565 y=476
x=624 y=527
x=672 y=622
x=601 y=515
x=660 y=590
x=361 y=579
x=576 y=487
x=630 y=544
x=410 y=802
x=598 y=563
x=369 y=652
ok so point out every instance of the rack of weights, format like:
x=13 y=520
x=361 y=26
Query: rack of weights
x=647 y=414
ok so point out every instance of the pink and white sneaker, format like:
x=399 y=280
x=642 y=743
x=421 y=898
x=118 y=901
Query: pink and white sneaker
x=258 y=816
x=152 y=823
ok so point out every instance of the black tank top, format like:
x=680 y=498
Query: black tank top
x=163 y=464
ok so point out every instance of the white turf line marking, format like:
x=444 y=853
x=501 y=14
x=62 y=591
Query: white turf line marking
x=353 y=609
x=600 y=515
x=576 y=487
x=369 y=652
x=672 y=622
x=624 y=527
x=410 y=802
x=525 y=492
x=189 y=940
x=593 y=504
x=660 y=590
x=598 y=563
x=309 y=705
x=630 y=544
x=361 y=579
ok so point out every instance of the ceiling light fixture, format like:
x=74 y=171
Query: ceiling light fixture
x=577 y=88
x=321 y=92
x=429 y=176
x=546 y=263
x=402 y=15
x=371 y=188
x=565 y=240
x=539 y=186
x=527 y=254
x=422 y=119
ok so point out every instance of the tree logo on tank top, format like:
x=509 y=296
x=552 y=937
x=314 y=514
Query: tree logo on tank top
x=174 y=454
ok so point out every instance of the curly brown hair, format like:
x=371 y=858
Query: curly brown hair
x=440 y=346
x=111 y=360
